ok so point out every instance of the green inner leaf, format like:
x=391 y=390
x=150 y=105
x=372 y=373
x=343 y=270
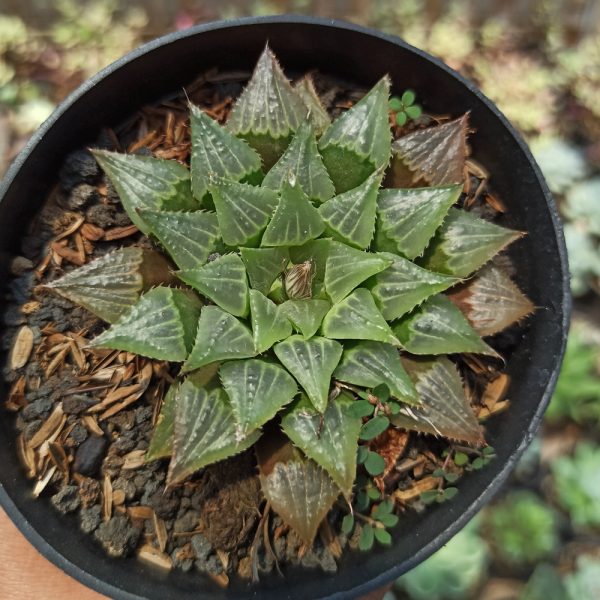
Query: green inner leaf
x=358 y=142
x=311 y=362
x=204 y=431
x=188 y=237
x=443 y=410
x=350 y=216
x=369 y=364
x=408 y=218
x=269 y=323
x=330 y=439
x=145 y=182
x=223 y=281
x=305 y=315
x=347 y=267
x=357 y=317
x=216 y=152
x=438 y=327
x=243 y=211
x=264 y=265
x=302 y=162
x=219 y=336
x=160 y=325
x=404 y=285
x=257 y=390
x=464 y=243
x=295 y=220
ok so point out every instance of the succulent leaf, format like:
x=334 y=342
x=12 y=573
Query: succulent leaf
x=330 y=439
x=264 y=265
x=350 y=216
x=317 y=114
x=357 y=317
x=301 y=493
x=295 y=220
x=268 y=110
x=257 y=390
x=269 y=323
x=436 y=154
x=311 y=362
x=370 y=364
x=204 y=431
x=160 y=325
x=306 y=315
x=404 y=285
x=161 y=444
x=302 y=162
x=110 y=285
x=491 y=301
x=464 y=243
x=408 y=218
x=217 y=152
x=438 y=327
x=224 y=281
x=243 y=211
x=145 y=182
x=188 y=237
x=443 y=409
x=358 y=142
x=348 y=267
x=220 y=336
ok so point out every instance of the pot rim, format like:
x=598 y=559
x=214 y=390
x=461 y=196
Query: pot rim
x=105 y=587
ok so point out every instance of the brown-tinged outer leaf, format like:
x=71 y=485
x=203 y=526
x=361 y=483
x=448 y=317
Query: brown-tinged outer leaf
x=436 y=154
x=110 y=285
x=161 y=444
x=491 y=301
x=299 y=491
x=444 y=409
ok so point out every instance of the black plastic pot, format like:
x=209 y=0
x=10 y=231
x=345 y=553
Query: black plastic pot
x=160 y=69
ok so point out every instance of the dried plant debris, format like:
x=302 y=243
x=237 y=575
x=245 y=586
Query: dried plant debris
x=271 y=306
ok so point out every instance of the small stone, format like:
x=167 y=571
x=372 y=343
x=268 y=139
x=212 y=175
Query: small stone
x=67 y=499
x=79 y=167
x=327 y=561
x=79 y=433
x=126 y=485
x=188 y=522
x=164 y=505
x=88 y=457
x=89 y=518
x=201 y=546
x=118 y=536
x=81 y=195
x=89 y=491
x=75 y=404
x=20 y=265
x=37 y=408
x=102 y=215
x=32 y=428
x=124 y=444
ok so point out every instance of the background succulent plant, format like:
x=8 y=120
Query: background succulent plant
x=302 y=272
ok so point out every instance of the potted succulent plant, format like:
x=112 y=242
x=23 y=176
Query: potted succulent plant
x=299 y=288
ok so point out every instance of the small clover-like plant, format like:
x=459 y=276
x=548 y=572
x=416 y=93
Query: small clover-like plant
x=405 y=108
x=302 y=293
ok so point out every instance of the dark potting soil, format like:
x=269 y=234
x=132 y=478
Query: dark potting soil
x=87 y=455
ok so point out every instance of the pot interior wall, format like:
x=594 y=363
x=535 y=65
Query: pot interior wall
x=361 y=58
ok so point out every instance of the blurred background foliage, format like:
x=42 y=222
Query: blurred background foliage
x=539 y=60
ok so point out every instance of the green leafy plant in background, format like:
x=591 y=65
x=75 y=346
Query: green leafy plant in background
x=405 y=108
x=577 y=484
x=453 y=572
x=584 y=582
x=521 y=529
x=577 y=393
x=301 y=282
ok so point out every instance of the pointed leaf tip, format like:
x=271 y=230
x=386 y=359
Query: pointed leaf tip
x=269 y=323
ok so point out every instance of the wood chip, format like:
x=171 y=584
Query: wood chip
x=115 y=396
x=151 y=555
x=92 y=232
x=222 y=580
x=160 y=530
x=16 y=396
x=53 y=423
x=118 y=497
x=71 y=229
x=41 y=484
x=495 y=390
x=107 y=499
x=140 y=512
x=91 y=425
x=58 y=360
x=22 y=346
x=27 y=456
x=117 y=233
x=59 y=457
x=134 y=460
x=423 y=485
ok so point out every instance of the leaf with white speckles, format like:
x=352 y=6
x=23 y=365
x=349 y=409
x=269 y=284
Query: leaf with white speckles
x=305 y=315
x=264 y=265
x=204 y=431
x=269 y=323
x=257 y=390
x=443 y=410
x=330 y=439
